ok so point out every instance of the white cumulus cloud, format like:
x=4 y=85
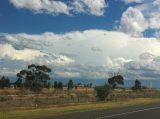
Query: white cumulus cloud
x=67 y=74
x=42 y=6
x=93 y=7
x=132 y=1
x=26 y=54
x=154 y=21
x=157 y=34
x=55 y=7
x=133 y=22
x=141 y=17
x=81 y=54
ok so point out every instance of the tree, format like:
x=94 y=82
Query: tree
x=49 y=85
x=113 y=81
x=55 y=85
x=137 y=85
x=35 y=77
x=4 y=82
x=70 y=84
x=89 y=85
x=60 y=85
x=18 y=83
x=103 y=91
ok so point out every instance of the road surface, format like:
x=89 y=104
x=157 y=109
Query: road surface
x=148 y=111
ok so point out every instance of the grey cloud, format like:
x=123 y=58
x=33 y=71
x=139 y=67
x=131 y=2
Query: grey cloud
x=68 y=54
x=157 y=59
x=96 y=49
x=148 y=69
x=147 y=56
x=79 y=59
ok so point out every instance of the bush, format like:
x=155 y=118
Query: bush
x=4 y=98
x=103 y=91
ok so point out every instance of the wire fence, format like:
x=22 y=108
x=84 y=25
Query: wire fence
x=39 y=100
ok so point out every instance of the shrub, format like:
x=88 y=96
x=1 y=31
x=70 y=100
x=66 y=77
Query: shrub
x=4 y=98
x=103 y=91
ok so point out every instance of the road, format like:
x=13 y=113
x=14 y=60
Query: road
x=148 y=111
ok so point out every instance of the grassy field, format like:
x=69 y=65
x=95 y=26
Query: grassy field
x=23 y=113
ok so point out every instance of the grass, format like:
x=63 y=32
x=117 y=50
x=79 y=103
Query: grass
x=31 y=113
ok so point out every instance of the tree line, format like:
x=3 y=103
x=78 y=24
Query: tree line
x=36 y=77
x=4 y=82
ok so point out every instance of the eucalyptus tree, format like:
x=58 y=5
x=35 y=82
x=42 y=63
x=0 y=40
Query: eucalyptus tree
x=35 y=77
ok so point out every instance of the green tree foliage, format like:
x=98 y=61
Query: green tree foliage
x=35 y=77
x=113 y=81
x=137 y=85
x=4 y=82
x=103 y=91
x=70 y=84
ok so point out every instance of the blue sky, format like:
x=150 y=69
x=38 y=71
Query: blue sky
x=81 y=39
x=16 y=21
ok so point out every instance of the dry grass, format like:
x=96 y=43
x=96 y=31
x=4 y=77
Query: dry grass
x=23 y=113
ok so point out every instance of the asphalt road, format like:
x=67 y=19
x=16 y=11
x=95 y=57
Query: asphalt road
x=149 y=111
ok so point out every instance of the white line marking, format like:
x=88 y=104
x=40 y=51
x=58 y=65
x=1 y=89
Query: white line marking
x=125 y=113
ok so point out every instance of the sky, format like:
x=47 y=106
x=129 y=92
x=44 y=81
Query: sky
x=81 y=39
